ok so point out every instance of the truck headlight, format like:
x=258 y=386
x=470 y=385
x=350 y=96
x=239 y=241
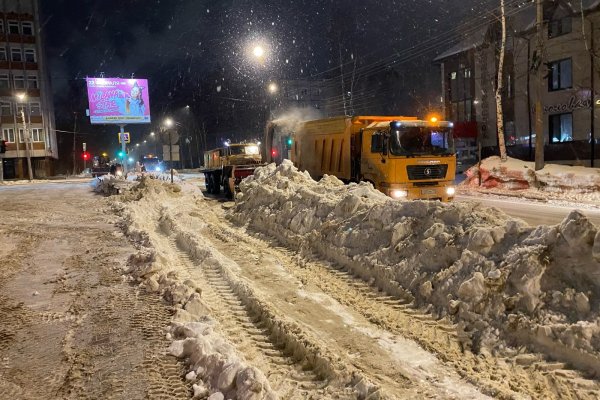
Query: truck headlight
x=398 y=194
x=450 y=191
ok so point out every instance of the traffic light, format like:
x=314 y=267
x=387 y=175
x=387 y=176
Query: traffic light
x=121 y=154
x=2 y=146
x=290 y=141
x=86 y=156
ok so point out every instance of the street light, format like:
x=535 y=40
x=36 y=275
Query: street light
x=258 y=51
x=168 y=124
x=22 y=97
x=272 y=88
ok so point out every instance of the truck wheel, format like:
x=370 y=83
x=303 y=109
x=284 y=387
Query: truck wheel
x=227 y=190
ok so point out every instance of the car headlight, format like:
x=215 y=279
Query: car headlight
x=450 y=191
x=398 y=194
x=157 y=169
x=119 y=173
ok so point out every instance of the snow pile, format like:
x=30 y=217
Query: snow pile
x=503 y=282
x=513 y=174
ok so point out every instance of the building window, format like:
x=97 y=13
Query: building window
x=27 y=28
x=21 y=135
x=37 y=134
x=15 y=54
x=9 y=134
x=13 y=27
x=29 y=55
x=1 y=26
x=6 y=108
x=560 y=75
x=559 y=27
x=4 y=81
x=19 y=82
x=561 y=128
x=32 y=82
x=3 y=56
x=35 y=109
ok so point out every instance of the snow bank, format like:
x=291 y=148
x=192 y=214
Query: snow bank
x=503 y=282
x=513 y=174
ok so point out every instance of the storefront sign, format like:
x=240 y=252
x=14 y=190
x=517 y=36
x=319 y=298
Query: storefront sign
x=574 y=103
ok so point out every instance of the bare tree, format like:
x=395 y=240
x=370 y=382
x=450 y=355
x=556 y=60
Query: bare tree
x=500 y=86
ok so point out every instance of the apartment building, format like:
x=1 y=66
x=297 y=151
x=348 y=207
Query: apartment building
x=26 y=108
x=571 y=83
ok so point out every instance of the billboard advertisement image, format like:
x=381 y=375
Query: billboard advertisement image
x=118 y=101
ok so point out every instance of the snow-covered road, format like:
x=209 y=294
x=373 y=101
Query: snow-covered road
x=250 y=315
x=532 y=212
x=71 y=325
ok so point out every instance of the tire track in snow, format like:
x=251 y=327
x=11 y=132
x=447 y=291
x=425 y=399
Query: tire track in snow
x=249 y=331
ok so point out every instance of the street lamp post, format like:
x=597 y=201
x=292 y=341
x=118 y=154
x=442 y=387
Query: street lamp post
x=169 y=125
x=22 y=97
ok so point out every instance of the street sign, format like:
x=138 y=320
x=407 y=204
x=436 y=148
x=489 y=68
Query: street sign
x=126 y=136
x=175 y=150
x=174 y=136
x=84 y=146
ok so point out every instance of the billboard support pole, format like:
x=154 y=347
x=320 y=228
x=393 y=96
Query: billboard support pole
x=124 y=149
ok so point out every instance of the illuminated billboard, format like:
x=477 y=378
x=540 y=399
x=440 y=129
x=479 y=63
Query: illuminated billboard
x=118 y=101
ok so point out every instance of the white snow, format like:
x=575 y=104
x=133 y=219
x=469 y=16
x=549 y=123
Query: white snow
x=503 y=281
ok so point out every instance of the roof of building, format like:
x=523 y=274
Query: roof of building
x=520 y=21
x=472 y=41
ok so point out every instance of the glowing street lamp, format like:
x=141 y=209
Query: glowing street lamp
x=258 y=51
x=169 y=122
x=22 y=97
x=272 y=88
x=151 y=133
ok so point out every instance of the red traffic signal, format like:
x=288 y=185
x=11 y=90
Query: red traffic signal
x=86 y=156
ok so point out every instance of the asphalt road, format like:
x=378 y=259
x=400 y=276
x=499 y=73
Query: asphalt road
x=534 y=213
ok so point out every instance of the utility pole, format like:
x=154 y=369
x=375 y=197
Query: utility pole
x=75 y=143
x=27 y=143
x=539 y=122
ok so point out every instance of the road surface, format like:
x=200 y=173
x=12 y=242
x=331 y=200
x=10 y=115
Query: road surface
x=534 y=213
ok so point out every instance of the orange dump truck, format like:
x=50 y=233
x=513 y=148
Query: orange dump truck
x=227 y=166
x=403 y=157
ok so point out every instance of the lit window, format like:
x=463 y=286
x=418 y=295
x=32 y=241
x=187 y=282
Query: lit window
x=561 y=128
x=37 y=134
x=15 y=54
x=27 y=28
x=29 y=55
x=9 y=134
x=13 y=27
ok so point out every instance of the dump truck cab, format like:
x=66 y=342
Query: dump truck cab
x=409 y=158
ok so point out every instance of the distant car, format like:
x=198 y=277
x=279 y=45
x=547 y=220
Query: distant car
x=116 y=169
x=152 y=164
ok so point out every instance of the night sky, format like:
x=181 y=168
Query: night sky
x=195 y=52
